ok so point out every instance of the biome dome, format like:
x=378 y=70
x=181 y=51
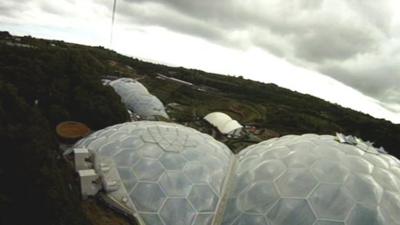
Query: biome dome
x=169 y=174
x=314 y=180
x=137 y=98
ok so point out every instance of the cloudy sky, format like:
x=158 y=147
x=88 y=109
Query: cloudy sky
x=344 y=51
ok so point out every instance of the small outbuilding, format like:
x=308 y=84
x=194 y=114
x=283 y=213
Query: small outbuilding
x=224 y=123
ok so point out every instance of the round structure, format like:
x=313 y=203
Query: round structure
x=168 y=174
x=313 y=180
x=137 y=99
x=162 y=173
x=224 y=123
x=72 y=130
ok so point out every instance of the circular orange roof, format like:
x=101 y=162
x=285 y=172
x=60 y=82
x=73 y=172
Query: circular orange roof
x=72 y=130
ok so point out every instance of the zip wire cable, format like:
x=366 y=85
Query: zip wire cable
x=112 y=22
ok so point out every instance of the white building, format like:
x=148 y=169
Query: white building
x=224 y=123
x=137 y=99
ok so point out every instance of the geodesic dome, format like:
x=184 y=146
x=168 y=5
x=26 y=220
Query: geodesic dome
x=168 y=174
x=137 y=98
x=314 y=180
x=162 y=173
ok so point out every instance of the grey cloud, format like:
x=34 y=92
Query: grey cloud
x=323 y=35
x=335 y=42
x=311 y=4
x=377 y=14
x=53 y=8
x=379 y=81
x=13 y=8
x=156 y=15
x=344 y=39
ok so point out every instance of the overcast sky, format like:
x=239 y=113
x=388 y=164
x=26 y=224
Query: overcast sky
x=344 y=51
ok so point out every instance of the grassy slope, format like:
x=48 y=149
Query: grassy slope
x=263 y=105
x=266 y=105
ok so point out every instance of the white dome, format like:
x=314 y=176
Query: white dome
x=230 y=126
x=170 y=174
x=216 y=118
x=137 y=99
x=314 y=180
x=224 y=123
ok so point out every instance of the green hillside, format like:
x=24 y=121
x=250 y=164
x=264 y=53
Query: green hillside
x=44 y=82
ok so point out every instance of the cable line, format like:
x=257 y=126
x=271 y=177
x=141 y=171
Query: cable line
x=112 y=22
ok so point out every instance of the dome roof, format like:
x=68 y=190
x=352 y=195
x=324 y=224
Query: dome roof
x=137 y=99
x=224 y=123
x=314 y=180
x=168 y=174
x=230 y=126
x=163 y=173
x=126 y=86
x=216 y=118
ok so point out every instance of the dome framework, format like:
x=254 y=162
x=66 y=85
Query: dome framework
x=162 y=173
x=168 y=174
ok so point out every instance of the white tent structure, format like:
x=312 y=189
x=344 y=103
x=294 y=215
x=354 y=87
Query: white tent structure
x=224 y=123
x=138 y=99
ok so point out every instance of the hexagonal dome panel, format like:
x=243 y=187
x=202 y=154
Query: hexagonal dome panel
x=358 y=164
x=203 y=198
x=269 y=170
x=390 y=207
x=258 y=198
x=173 y=161
x=177 y=211
x=175 y=183
x=153 y=219
x=246 y=219
x=362 y=214
x=386 y=179
x=126 y=158
x=148 y=169
x=151 y=151
x=204 y=219
x=296 y=182
x=147 y=197
x=331 y=202
x=364 y=189
x=197 y=172
x=329 y=171
x=291 y=212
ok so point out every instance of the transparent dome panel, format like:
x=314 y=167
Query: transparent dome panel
x=315 y=180
x=170 y=173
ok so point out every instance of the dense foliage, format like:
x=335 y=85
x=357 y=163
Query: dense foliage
x=39 y=87
x=285 y=111
x=34 y=186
